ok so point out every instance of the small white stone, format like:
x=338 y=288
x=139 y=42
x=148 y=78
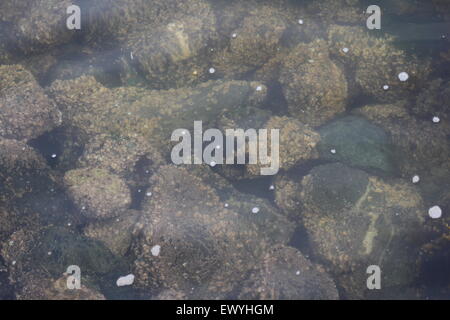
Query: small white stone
x=54 y=155
x=300 y=21
x=234 y=35
x=415 y=179
x=259 y=88
x=14 y=262
x=83 y=208
x=125 y=281
x=156 y=250
x=333 y=151
x=435 y=212
x=298 y=272
x=69 y=224
x=436 y=119
x=385 y=87
x=255 y=210
x=148 y=194
x=139 y=190
x=403 y=76
x=212 y=70
x=226 y=205
x=272 y=187
x=11 y=243
x=345 y=50
x=49 y=253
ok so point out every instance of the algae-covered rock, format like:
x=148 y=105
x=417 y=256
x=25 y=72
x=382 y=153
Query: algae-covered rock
x=132 y=158
x=375 y=62
x=285 y=274
x=42 y=287
x=314 y=86
x=114 y=233
x=340 y=11
x=421 y=147
x=357 y=142
x=430 y=101
x=129 y=111
x=381 y=223
x=297 y=143
x=190 y=241
x=39 y=24
x=97 y=193
x=25 y=110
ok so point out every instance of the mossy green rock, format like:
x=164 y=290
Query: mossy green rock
x=357 y=143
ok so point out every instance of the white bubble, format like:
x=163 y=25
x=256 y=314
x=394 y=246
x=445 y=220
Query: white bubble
x=234 y=35
x=14 y=262
x=435 y=212
x=255 y=210
x=49 y=253
x=148 y=194
x=436 y=119
x=83 y=208
x=403 y=76
x=212 y=70
x=385 y=87
x=69 y=224
x=300 y=21
x=333 y=151
x=54 y=155
x=156 y=250
x=226 y=205
x=272 y=187
x=298 y=272
x=345 y=50
x=258 y=88
x=415 y=179
x=125 y=281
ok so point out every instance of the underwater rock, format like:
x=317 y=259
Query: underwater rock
x=42 y=287
x=420 y=147
x=190 y=241
x=97 y=193
x=152 y=114
x=341 y=11
x=297 y=143
x=254 y=41
x=134 y=159
x=287 y=189
x=38 y=25
x=357 y=142
x=314 y=86
x=170 y=294
x=114 y=233
x=362 y=221
x=429 y=102
x=29 y=190
x=285 y=274
x=49 y=251
x=25 y=110
x=372 y=63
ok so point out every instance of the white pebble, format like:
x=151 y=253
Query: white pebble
x=54 y=155
x=49 y=253
x=272 y=187
x=345 y=50
x=435 y=212
x=403 y=76
x=125 y=281
x=298 y=272
x=415 y=179
x=300 y=21
x=385 y=87
x=156 y=250
x=258 y=88
x=212 y=70
x=255 y=210
x=14 y=262
x=148 y=194
x=436 y=119
x=333 y=151
x=226 y=205
x=234 y=35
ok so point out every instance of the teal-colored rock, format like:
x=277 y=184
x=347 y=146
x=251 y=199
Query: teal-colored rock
x=359 y=143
